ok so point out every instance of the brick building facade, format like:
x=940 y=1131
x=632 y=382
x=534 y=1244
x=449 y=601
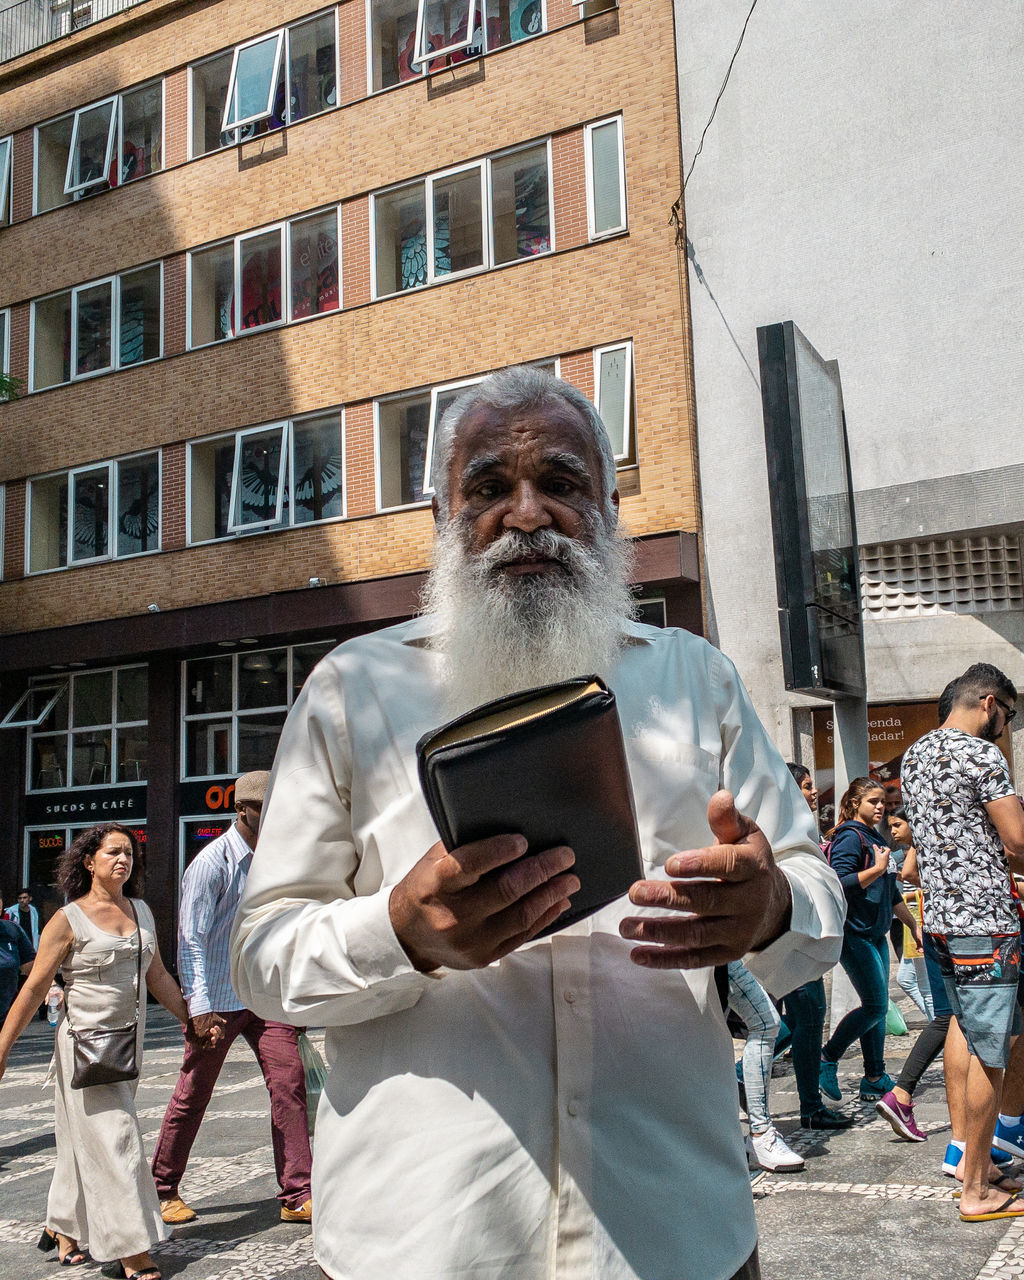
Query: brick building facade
x=232 y=344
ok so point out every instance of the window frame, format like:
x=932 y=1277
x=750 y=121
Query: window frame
x=284 y=61
x=433 y=393
x=78 y=189
x=286 y=519
x=626 y=458
x=30 y=722
x=113 y=724
x=6 y=179
x=283 y=251
x=421 y=56
x=484 y=163
x=5 y=342
x=283 y=427
x=115 y=329
x=115 y=306
x=113 y=465
x=286 y=285
x=623 y=224
x=232 y=715
x=236 y=126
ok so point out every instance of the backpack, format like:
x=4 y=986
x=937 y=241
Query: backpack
x=826 y=847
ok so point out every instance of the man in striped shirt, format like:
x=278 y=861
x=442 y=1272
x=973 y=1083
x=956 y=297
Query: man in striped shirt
x=210 y=891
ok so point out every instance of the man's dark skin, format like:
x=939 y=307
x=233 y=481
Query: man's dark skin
x=541 y=470
x=208 y=1028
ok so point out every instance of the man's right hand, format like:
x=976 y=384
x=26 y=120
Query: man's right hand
x=206 y=1029
x=472 y=906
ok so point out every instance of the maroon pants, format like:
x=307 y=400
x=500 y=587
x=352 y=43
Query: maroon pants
x=277 y=1052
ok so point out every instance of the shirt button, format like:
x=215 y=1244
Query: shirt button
x=569 y=997
x=573 y=1107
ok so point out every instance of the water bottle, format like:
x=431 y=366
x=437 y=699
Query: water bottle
x=53 y=999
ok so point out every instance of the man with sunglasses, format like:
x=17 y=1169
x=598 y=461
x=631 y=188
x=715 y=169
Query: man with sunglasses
x=969 y=833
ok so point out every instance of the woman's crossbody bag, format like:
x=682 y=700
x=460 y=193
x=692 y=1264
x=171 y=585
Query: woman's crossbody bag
x=108 y=1057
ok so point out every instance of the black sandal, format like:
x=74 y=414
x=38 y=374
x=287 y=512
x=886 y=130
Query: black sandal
x=150 y=1273
x=74 y=1258
x=47 y=1241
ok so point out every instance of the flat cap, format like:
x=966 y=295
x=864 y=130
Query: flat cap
x=252 y=787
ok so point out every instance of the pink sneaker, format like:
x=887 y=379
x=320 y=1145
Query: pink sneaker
x=900 y=1117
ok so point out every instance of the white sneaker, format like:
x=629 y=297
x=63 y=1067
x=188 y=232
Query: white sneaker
x=768 y=1150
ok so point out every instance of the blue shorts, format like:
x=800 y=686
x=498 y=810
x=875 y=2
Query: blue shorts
x=980 y=973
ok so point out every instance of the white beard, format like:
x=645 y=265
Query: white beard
x=500 y=633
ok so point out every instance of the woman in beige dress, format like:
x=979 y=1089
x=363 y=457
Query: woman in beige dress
x=102 y=1196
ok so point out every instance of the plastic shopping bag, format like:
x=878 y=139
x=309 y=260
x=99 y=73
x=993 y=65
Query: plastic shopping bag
x=894 y=1024
x=316 y=1076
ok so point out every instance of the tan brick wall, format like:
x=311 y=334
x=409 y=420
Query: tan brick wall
x=360 y=480
x=14 y=535
x=172 y=497
x=174 y=305
x=352 y=44
x=569 y=302
x=175 y=118
x=355 y=252
x=21 y=176
x=570 y=186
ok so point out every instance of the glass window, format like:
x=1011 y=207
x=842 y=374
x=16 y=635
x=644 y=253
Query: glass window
x=258 y=481
x=48 y=523
x=51 y=341
x=267 y=477
x=5 y=344
x=6 y=146
x=392 y=36
x=142 y=112
x=315 y=276
x=209 y=84
x=253 y=81
x=236 y=727
x=139 y=328
x=402 y=427
x=457 y=221
x=53 y=150
x=138 y=505
x=259 y=279
x=264 y=84
x=45 y=848
x=92 y=334
x=520 y=204
x=92 y=148
x=449 y=27
x=400 y=236
x=104 y=325
x=317 y=480
x=263 y=679
x=90 y=504
x=613 y=376
x=208 y=685
x=35 y=706
x=87 y=494
x=606 y=188
x=312 y=70
x=210 y=467
x=211 y=294
x=107 y=741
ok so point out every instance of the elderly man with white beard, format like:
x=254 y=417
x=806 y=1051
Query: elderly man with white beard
x=503 y=1107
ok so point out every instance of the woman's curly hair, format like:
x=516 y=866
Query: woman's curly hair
x=74 y=880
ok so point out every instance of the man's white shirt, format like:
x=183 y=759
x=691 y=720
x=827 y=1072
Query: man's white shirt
x=562 y=1112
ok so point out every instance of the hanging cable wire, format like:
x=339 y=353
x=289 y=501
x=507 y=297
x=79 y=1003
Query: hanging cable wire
x=711 y=117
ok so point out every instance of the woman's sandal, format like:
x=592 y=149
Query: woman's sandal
x=74 y=1257
x=149 y=1273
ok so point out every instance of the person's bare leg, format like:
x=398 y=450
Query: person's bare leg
x=981 y=1106
x=955 y=1059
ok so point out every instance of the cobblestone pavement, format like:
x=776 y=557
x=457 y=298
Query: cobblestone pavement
x=866 y=1207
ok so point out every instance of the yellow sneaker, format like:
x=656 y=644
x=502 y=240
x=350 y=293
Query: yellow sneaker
x=304 y=1213
x=175 y=1211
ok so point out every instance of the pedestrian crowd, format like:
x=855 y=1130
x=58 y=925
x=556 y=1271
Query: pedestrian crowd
x=508 y=1099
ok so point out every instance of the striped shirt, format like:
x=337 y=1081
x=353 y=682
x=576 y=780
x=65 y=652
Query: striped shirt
x=210 y=892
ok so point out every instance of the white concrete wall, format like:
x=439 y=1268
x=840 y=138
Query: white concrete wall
x=862 y=178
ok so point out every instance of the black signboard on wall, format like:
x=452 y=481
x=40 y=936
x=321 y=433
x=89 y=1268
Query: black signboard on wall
x=86 y=804
x=817 y=572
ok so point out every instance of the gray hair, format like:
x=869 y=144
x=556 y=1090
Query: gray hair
x=515 y=390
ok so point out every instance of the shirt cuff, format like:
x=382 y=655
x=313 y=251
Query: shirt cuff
x=197 y=1004
x=812 y=944
x=372 y=944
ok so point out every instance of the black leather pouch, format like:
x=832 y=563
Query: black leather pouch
x=548 y=764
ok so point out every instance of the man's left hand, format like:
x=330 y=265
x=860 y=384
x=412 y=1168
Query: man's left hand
x=734 y=894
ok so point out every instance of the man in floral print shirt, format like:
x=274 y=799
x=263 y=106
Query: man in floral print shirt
x=968 y=829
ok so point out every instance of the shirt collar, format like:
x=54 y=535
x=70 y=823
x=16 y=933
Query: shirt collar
x=237 y=845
